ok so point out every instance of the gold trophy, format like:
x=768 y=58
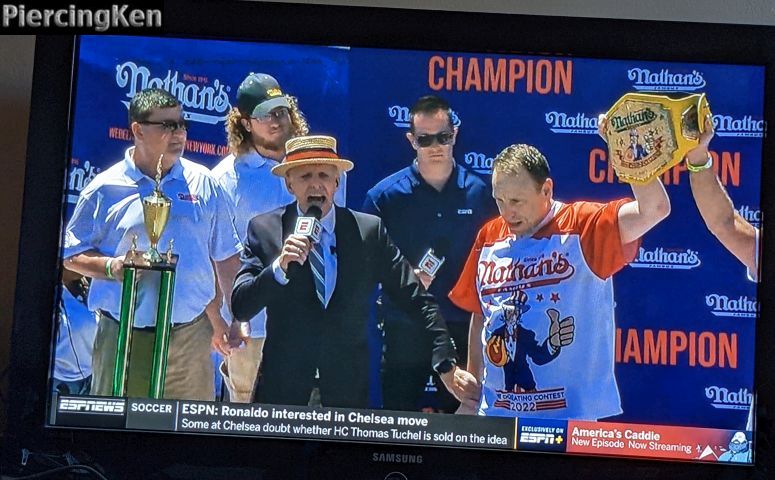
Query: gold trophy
x=156 y=212
x=648 y=134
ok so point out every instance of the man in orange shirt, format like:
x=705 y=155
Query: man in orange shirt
x=554 y=262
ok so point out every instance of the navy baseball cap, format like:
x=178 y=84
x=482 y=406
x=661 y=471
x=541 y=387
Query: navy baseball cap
x=259 y=94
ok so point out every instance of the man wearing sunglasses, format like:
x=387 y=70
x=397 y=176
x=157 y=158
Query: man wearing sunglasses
x=257 y=128
x=109 y=214
x=434 y=203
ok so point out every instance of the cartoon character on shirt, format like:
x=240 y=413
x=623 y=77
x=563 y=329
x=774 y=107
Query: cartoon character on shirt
x=511 y=344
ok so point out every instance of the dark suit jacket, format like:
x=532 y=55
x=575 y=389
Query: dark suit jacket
x=301 y=336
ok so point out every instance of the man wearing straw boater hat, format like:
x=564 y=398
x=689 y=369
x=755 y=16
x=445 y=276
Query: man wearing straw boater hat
x=263 y=118
x=317 y=295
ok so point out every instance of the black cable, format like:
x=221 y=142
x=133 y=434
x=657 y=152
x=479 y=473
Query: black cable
x=66 y=468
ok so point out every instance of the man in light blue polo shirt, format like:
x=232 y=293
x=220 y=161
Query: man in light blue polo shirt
x=109 y=214
x=432 y=203
x=257 y=128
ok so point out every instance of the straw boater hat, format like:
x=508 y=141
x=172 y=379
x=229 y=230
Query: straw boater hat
x=311 y=150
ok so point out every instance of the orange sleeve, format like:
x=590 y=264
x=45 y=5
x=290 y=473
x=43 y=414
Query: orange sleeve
x=600 y=239
x=464 y=293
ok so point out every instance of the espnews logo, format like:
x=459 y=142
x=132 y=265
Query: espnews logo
x=666 y=258
x=723 y=306
x=400 y=116
x=665 y=80
x=91 y=406
x=479 y=162
x=578 y=124
x=723 y=398
x=212 y=100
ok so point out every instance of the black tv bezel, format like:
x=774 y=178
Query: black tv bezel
x=38 y=270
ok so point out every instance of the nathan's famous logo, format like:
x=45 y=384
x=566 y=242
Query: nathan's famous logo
x=211 y=101
x=80 y=175
x=580 y=123
x=751 y=214
x=400 y=116
x=479 y=162
x=722 y=397
x=665 y=80
x=723 y=306
x=729 y=126
x=667 y=258
x=634 y=119
x=524 y=273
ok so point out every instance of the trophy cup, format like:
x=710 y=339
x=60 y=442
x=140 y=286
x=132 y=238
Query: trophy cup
x=156 y=212
x=648 y=134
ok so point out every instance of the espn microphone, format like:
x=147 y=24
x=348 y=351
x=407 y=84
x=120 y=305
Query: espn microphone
x=309 y=225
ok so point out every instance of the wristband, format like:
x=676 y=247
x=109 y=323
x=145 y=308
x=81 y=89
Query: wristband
x=699 y=168
x=108 y=271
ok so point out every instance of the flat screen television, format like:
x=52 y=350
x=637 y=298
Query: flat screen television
x=690 y=344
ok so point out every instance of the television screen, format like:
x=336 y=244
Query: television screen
x=660 y=359
x=367 y=242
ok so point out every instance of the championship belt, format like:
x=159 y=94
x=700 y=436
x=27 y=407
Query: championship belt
x=648 y=134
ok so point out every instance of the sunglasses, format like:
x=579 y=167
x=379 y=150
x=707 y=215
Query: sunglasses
x=276 y=114
x=168 y=125
x=426 y=140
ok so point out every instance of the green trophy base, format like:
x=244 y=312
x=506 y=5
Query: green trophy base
x=133 y=262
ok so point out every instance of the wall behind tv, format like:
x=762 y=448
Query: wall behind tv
x=16 y=56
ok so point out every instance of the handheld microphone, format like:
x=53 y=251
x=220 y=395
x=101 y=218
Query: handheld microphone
x=309 y=225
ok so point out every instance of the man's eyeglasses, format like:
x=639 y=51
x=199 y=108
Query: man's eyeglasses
x=426 y=140
x=276 y=114
x=168 y=125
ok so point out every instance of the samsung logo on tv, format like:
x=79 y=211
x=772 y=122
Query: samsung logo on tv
x=479 y=162
x=199 y=94
x=729 y=126
x=662 y=258
x=579 y=123
x=81 y=405
x=396 y=458
x=665 y=80
x=723 y=398
x=400 y=116
x=723 y=306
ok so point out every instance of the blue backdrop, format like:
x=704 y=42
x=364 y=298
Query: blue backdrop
x=685 y=311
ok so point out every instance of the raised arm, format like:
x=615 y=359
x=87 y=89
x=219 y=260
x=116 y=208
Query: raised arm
x=651 y=206
x=716 y=208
